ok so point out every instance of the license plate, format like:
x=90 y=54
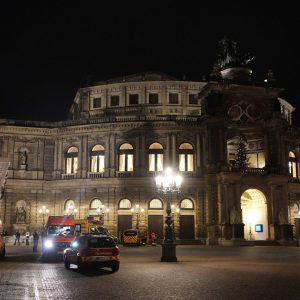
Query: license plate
x=103 y=258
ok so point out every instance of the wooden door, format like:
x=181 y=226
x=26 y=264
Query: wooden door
x=156 y=224
x=187 y=227
x=124 y=222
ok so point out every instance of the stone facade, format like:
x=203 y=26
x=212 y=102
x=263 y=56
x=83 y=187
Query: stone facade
x=197 y=125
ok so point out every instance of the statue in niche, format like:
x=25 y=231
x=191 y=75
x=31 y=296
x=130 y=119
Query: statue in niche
x=235 y=216
x=23 y=157
x=21 y=214
x=282 y=217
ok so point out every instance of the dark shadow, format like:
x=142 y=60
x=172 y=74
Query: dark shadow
x=51 y=258
x=92 y=272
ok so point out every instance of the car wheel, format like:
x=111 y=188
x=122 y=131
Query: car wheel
x=79 y=264
x=67 y=263
x=115 y=266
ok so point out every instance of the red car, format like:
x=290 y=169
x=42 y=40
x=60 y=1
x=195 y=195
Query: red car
x=93 y=250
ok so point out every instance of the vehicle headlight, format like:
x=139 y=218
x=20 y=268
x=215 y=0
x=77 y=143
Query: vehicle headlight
x=74 y=244
x=48 y=244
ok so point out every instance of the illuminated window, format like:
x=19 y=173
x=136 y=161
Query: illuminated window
x=186 y=157
x=156 y=157
x=126 y=158
x=69 y=205
x=71 y=158
x=186 y=204
x=95 y=203
x=125 y=204
x=293 y=164
x=155 y=204
x=97 y=156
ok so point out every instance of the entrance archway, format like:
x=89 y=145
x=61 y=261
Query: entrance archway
x=255 y=215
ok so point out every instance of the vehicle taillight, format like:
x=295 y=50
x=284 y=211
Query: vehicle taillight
x=115 y=252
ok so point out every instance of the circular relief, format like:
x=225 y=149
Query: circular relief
x=234 y=112
x=253 y=111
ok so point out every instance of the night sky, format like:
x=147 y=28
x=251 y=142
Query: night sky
x=50 y=49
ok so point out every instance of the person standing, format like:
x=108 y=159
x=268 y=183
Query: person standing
x=17 y=235
x=27 y=238
x=35 y=241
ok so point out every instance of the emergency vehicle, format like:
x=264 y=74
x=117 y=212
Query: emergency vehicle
x=131 y=237
x=90 y=225
x=58 y=234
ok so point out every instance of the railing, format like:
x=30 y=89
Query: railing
x=94 y=175
x=124 y=174
x=68 y=176
x=294 y=180
x=253 y=171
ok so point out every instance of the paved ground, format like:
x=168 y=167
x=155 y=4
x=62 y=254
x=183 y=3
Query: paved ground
x=203 y=272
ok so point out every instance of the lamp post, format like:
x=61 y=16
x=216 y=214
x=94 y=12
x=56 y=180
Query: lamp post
x=175 y=212
x=44 y=211
x=168 y=183
x=101 y=212
x=138 y=211
x=71 y=210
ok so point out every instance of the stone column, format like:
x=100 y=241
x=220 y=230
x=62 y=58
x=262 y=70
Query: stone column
x=84 y=156
x=174 y=151
x=107 y=156
x=113 y=153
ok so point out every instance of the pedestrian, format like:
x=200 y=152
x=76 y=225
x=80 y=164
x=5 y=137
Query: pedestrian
x=153 y=238
x=17 y=239
x=27 y=238
x=35 y=241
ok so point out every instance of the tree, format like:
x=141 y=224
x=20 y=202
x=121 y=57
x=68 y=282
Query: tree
x=241 y=156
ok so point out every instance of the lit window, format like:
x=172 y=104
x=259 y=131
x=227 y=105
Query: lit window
x=186 y=157
x=125 y=204
x=186 y=204
x=293 y=164
x=97 y=156
x=126 y=158
x=69 y=205
x=71 y=158
x=156 y=157
x=155 y=204
x=95 y=203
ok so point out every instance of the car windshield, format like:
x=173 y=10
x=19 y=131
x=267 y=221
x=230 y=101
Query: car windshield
x=60 y=230
x=100 y=242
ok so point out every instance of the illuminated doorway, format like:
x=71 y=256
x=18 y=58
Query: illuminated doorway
x=255 y=215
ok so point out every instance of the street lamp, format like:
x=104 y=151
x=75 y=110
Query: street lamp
x=175 y=212
x=71 y=210
x=101 y=212
x=138 y=212
x=168 y=183
x=44 y=211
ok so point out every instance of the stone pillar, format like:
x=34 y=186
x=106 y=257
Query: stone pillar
x=84 y=156
x=113 y=152
x=143 y=155
x=107 y=156
x=136 y=169
x=174 y=151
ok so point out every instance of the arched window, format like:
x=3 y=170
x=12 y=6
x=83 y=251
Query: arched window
x=156 y=157
x=125 y=204
x=69 y=205
x=97 y=155
x=126 y=158
x=71 y=158
x=186 y=157
x=186 y=204
x=293 y=164
x=95 y=203
x=155 y=204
